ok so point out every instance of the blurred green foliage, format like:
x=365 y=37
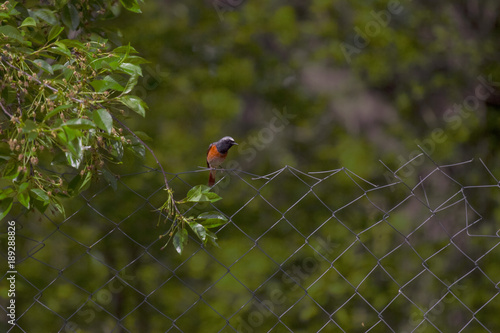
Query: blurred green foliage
x=275 y=76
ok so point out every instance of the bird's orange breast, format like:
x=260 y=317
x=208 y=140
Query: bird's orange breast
x=214 y=158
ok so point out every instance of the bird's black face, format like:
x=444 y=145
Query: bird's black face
x=224 y=144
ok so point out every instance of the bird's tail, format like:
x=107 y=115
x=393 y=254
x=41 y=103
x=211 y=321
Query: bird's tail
x=211 y=177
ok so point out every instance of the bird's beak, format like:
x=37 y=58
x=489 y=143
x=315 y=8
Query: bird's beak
x=235 y=144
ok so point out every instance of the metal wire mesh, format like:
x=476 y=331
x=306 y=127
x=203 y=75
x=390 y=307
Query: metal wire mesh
x=303 y=252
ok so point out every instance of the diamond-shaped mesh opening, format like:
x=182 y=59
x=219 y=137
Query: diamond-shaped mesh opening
x=306 y=315
x=235 y=296
x=356 y=315
x=350 y=265
x=144 y=186
x=30 y=271
x=484 y=202
x=307 y=214
x=487 y=317
x=401 y=307
x=332 y=239
x=330 y=290
x=408 y=216
x=285 y=181
x=117 y=297
x=145 y=216
x=332 y=191
x=424 y=281
x=481 y=296
x=402 y=264
x=377 y=283
x=437 y=190
x=203 y=269
x=39 y=316
x=359 y=215
x=210 y=321
x=381 y=239
x=330 y=327
x=62 y=296
x=448 y=314
x=453 y=269
x=304 y=267
x=239 y=246
x=474 y=326
x=126 y=249
x=488 y=263
x=137 y=320
x=249 y=218
x=86 y=227
x=172 y=289
x=256 y=316
x=144 y=273
x=288 y=245
x=429 y=238
x=253 y=269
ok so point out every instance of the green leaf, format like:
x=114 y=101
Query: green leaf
x=11 y=32
x=80 y=123
x=135 y=104
x=24 y=199
x=109 y=82
x=23 y=196
x=212 y=238
x=132 y=82
x=11 y=171
x=201 y=193
x=131 y=5
x=71 y=43
x=70 y=17
x=137 y=60
x=180 y=239
x=62 y=48
x=110 y=178
x=70 y=134
x=23 y=187
x=6 y=192
x=212 y=219
x=57 y=110
x=103 y=120
x=125 y=49
x=73 y=159
x=131 y=68
x=198 y=230
x=29 y=125
x=44 y=65
x=28 y=22
x=46 y=15
x=59 y=207
x=54 y=32
x=5 y=206
x=79 y=183
x=137 y=148
x=40 y=195
x=41 y=206
x=143 y=136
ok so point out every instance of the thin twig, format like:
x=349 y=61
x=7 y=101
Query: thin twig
x=5 y=110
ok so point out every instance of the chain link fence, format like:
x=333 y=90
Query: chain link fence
x=416 y=250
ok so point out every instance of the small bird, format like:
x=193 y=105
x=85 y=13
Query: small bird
x=217 y=152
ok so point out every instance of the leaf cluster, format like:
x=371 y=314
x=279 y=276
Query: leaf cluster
x=62 y=87
x=199 y=224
